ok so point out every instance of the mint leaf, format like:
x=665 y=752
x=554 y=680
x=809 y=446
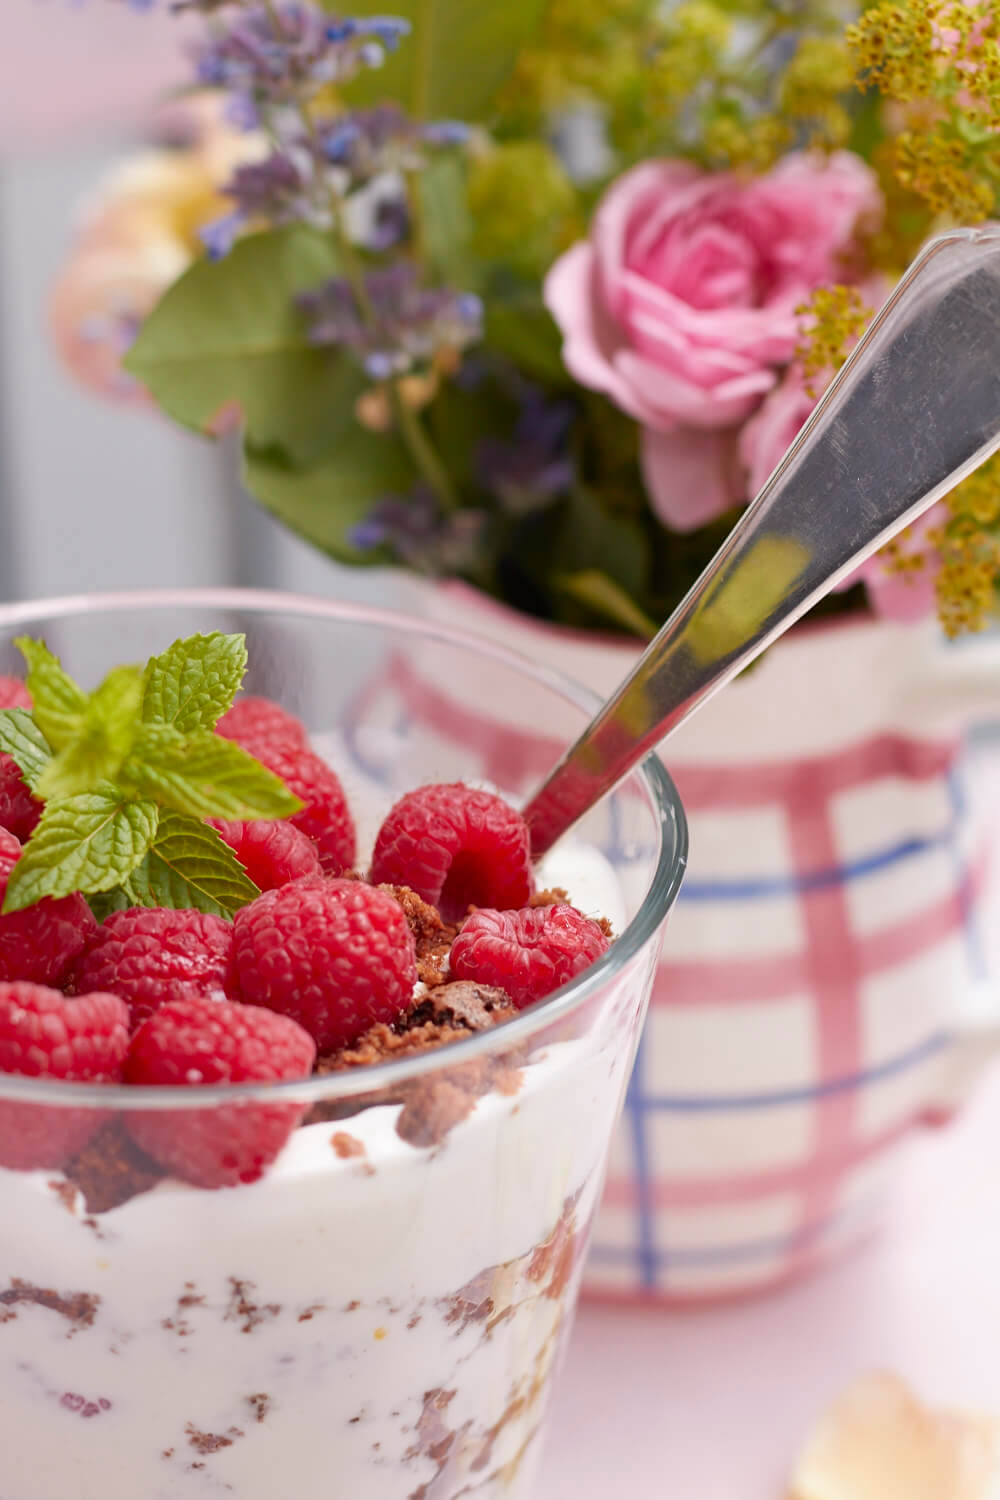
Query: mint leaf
x=205 y=776
x=58 y=704
x=90 y=842
x=119 y=898
x=24 y=742
x=191 y=684
x=190 y=866
x=104 y=737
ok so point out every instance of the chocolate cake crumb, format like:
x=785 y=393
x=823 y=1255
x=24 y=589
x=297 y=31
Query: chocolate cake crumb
x=432 y=936
x=260 y=1405
x=555 y=896
x=78 y=1308
x=346 y=1145
x=111 y=1169
x=473 y=1302
x=66 y=1193
x=476 y=1007
x=210 y=1442
x=241 y=1306
x=433 y=1106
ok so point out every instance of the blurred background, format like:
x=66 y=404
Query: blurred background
x=75 y=88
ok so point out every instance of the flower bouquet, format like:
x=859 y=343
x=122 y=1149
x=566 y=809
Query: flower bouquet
x=537 y=294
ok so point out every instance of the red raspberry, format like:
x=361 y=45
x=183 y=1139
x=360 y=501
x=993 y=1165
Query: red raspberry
x=19 y=810
x=528 y=953
x=149 y=955
x=336 y=955
x=46 y=1035
x=272 y=853
x=191 y=1043
x=261 y=719
x=325 y=818
x=40 y=943
x=13 y=693
x=456 y=848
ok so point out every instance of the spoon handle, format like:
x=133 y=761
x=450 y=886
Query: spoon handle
x=915 y=409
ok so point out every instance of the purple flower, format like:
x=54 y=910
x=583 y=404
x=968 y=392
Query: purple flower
x=285 y=52
x=406 y=324
x=390 y=223
x=275 y=190
x=532 y=468
x=422 y=534
x=367 y=142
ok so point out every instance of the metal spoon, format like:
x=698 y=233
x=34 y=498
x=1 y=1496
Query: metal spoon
x=914 y=410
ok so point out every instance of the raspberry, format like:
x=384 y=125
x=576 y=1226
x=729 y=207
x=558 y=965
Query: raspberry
x=325 y=818
x=46 y=1035
x=13 y=693
x=528 y=953
x=272 y=853
x=198 y=1042
x=261 y=719
x=456 y=848
x=336 y=955
x=149 y=955
x=40 y=943
x=19 y=810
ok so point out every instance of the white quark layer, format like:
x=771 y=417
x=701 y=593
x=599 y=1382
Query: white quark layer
x=378 y=1327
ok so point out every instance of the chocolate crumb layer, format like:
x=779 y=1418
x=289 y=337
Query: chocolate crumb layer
x=432 y=935
x=111 y=1169
x=555 y=896
x=78 y=1308
x=432 y=1106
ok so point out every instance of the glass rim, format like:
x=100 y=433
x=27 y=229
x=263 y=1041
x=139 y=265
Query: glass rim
x=651 y=775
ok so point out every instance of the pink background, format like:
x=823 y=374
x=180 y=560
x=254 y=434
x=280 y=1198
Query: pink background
x=69 y=64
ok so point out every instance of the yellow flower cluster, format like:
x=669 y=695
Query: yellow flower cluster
x=523 y=205
x=970 y=552
x=938 y=61
x=835 y=318
x=813 y=87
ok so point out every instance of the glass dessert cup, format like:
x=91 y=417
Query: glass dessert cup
x=380 y=1316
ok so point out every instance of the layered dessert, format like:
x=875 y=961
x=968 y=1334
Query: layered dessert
x=349 y=1270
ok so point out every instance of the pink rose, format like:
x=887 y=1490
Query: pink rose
x=681 y=305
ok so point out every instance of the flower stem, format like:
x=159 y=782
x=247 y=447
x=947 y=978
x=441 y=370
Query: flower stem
x=421 y=449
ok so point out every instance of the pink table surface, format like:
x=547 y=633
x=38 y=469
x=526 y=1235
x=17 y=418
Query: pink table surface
x=711 y=1405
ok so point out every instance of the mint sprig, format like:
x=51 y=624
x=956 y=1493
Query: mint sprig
x=129 y=772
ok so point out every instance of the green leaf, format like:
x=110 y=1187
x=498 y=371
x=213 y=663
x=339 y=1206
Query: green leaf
x=445 y=227
x=205 y=776
x=602 y=595
x=460 y=53
x=228 y=332
x=119 y=898
x=58 y=704
x=24 y=742
x=103 y=739
x=90 y=842
x=191 y=684
x=323 y=503
x=522 y=328
x=190 y=867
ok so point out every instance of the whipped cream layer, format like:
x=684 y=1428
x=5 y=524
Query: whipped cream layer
x=373 y=1320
